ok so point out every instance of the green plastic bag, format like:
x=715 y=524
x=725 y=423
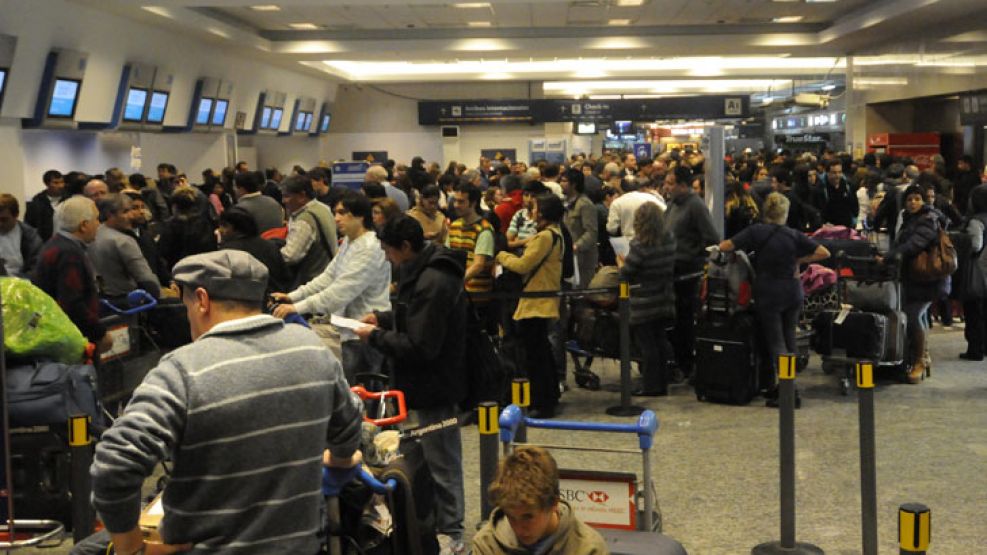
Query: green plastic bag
x=35 y=326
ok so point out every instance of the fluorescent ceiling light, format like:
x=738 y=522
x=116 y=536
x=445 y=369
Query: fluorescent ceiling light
x=629 y=3
x=478 y=23
x=619 y=22
x=158 y=10
x=819 y=1
x=828 y=87
x=788 y=19
x=879 y=81
x=218 y=32
x=473 y=5
x=304 y=26
x=709 y=65
x=496 y=76
x=266 y=8
x=590 y=73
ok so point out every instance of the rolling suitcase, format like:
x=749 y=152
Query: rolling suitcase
x=726 y=359
x=41 y=467
x=894 y=350
x=862 y=335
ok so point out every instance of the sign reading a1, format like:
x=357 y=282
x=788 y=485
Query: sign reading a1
x=733 y=107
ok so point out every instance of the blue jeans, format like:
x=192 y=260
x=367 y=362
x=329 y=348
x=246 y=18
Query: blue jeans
x=443 y=452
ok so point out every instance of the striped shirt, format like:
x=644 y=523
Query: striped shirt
x=244 y=412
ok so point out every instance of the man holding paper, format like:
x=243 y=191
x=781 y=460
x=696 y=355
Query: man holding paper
x=356 y=282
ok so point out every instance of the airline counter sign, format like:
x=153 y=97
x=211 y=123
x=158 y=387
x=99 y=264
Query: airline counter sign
x=600 y=499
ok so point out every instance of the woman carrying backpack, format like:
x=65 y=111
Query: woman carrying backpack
x=541 y=268
x=919 y=230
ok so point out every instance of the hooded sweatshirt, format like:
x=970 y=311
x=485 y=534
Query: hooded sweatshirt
x=571 y=538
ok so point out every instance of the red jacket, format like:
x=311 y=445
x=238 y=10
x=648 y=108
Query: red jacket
x=507 y=208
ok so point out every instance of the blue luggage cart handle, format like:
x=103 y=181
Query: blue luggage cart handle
x=138 y=299
x=645 y=428
x=376 y=485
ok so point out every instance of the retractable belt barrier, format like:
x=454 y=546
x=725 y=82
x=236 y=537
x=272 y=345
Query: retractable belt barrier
x=499 y=295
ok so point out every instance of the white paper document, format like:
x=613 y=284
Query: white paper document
x=621 y=246
x=345 y=323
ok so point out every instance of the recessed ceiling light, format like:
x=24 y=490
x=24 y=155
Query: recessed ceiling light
x=619 y=22
x=788 y=19
x=474 y=5
x=478 y=23
x=304 y=26
x=629 y=3
x=266 y=8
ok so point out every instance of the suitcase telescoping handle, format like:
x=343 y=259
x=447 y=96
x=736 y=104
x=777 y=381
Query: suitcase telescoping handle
x=398 y=396
x=139 y=301
x=645 y=427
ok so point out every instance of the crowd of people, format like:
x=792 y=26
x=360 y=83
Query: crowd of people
x=414 y=255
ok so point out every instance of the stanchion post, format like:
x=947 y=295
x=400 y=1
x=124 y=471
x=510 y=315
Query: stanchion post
x=81 y=454
x=624 y=306
x=521 y=396
x=786 y=441
x=868 y=465
x=489 y=430
x=914 y=529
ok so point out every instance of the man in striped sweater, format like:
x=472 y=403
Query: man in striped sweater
x=245 y=413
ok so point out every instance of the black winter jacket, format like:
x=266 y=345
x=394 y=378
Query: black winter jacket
x=918 y=232
x=425 y=333
x=652 y=267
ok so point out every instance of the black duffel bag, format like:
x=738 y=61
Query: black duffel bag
x=50 y=392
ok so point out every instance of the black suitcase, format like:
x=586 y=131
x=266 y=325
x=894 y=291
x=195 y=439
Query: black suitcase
x=41 y=468
x=726 y=359
x=862 y=335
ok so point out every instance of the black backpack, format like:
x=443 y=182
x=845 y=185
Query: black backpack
x=568 y=258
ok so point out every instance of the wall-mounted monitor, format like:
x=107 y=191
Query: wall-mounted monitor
x=219 y=112
x=324 y=126
x=3 y=80
x=622 y=127
x=586 y=128
x=265 y=117
x=205 y=109
x=300 y=121
x=133 y=107
x=308 y=121
x=276 y=118
x=157 y=106
x=63 y=98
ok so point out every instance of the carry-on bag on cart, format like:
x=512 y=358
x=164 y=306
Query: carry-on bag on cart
x=35 y=327
x=880 y=297
x=847 y=247
x=862 y=335
x=50 y=392
x=894 y=349
x=726 y=359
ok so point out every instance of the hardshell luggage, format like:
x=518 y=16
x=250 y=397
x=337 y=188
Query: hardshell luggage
x=862 y=335
x=894 y=350
x=623 y=542
x=726 y=360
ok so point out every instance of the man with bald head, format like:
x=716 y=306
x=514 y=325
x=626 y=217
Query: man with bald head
x=96 y=189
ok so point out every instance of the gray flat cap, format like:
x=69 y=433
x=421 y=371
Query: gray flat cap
x=225 y=274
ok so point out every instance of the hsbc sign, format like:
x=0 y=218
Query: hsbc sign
x=603 y=499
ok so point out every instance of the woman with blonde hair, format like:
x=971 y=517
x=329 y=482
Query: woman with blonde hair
x=651 y=265
x=777 y=289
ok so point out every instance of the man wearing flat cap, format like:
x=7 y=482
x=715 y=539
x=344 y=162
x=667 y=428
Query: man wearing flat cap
x=245 y=412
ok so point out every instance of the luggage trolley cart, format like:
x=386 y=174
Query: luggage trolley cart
x=643 y=535
x=395 y=482
x=871 y=292
x=120 y=370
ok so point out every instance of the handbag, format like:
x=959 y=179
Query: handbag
x=50 y=392
x=935 y=262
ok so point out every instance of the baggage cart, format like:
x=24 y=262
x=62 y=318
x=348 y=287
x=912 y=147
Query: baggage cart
x=642 y=530
x=867 y=290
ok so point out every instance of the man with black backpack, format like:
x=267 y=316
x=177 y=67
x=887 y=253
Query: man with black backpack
x=425 y=336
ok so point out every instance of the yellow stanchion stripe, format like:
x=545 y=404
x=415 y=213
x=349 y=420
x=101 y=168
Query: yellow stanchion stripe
x=914 y=530
x=487 y=420
x=865 y=375
x=625 y=290
x=79 y=431
x=786 y=367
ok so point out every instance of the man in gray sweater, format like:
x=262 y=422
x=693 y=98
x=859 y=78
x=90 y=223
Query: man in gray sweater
x=245 y=413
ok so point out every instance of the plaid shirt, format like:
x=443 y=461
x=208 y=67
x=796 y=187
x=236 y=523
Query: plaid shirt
x=66 y=274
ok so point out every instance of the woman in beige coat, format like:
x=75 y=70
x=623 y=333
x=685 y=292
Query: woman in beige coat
x=541 y=266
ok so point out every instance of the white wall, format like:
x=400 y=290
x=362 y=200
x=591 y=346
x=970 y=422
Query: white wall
x=111 y=42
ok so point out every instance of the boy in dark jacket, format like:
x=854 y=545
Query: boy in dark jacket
x=425 y=337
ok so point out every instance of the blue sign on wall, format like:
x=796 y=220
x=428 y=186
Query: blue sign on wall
x=349 y=174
